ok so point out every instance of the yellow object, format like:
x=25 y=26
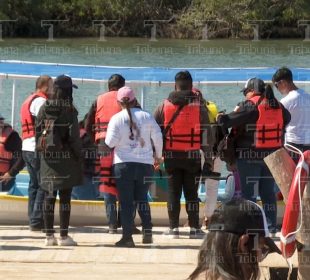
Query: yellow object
x=212 y=111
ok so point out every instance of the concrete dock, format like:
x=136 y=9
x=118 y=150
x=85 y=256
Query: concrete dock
x=24 y=256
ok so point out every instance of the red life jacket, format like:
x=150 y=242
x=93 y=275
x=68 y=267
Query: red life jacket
x=184 y=132
x=104 y=171
x=107 y=107
x=269 y=126
x=5 y=156
x=28 y=125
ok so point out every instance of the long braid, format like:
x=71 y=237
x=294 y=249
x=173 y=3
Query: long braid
x=131 y=124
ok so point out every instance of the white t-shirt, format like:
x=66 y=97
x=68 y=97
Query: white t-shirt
x=297 y=102
x=140 y=149
x=29 y=144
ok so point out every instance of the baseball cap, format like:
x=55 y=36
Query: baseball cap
x=255 y=84
x=241 y=216
x=1 y=117
x=125 y=93
x=64 y=81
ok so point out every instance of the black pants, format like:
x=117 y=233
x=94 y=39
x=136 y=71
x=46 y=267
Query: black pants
x=64 y=211
x=301 y=147
x=184 y=174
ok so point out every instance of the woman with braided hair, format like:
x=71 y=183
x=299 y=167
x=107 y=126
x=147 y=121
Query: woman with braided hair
x=137 y=142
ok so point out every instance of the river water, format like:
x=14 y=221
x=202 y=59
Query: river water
x=143 y=52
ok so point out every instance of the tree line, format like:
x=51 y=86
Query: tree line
x=174 y=18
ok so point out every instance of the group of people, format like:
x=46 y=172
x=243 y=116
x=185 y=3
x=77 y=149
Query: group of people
x=128 y=142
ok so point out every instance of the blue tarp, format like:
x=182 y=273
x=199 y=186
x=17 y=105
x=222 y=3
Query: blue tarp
x=143 y=74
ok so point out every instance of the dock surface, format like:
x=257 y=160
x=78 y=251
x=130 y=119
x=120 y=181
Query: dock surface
x=23 y=255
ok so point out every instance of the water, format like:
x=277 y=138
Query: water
x=142 y=52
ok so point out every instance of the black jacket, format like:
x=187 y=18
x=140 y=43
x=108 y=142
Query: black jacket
x=60 y=169
x=14 y=145
x=243 y=121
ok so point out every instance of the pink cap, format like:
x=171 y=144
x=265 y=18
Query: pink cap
x=125 y=93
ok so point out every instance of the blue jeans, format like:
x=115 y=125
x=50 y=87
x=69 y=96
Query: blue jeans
x=88 y=191
x=35 y=193
x=111 y=208
x=133 y=181
x=256 y=179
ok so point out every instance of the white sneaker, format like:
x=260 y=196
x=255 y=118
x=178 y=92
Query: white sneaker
x=172 y=233
x=67 y=241
x=50 y=240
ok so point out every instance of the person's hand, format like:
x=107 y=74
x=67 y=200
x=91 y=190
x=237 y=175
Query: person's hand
x=221 y=113
x=157 y=163
x=5 y=178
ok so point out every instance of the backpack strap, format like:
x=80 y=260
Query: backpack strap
x=173 y=118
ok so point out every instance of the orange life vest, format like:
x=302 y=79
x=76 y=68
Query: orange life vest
x=28 y=125
x=107 y=107
x=104 y=171
x=5 y=156
x=269 y=126
x=184 y=132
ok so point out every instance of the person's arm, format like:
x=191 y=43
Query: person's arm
x=247 y=113
x=90 y=121
x=229 y=189
x=207 y=142
x=159 y=116
x=74 y=138
x=157 y=138
x=113 y=135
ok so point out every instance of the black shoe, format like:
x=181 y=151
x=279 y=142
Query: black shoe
x=126 y=242
x=112 y=229
x=36 y=228
x=196 y=233
x=172 y=233
x=147 y=237
x=135 y=230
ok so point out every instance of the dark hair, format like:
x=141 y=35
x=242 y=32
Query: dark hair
x=283 y=74
x=132 y=125
x=219 y=256
x=115 y=82
x=62 y=98
x=272 y=101
x=42 y=81
x=184 y=80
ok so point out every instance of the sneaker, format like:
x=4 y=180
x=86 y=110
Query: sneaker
x=112 y=229
x=126 y=242
x=196 y=233
x=50 y=240
x=147 y=237
x=66 y=241
x=172 y=233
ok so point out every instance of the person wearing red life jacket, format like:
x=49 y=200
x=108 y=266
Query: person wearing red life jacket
x=186 y=131
x=11 y=161
x=29 y=111
x=259 y=126
x=99 y=116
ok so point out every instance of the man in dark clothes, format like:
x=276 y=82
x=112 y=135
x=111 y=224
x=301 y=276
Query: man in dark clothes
x=186 y=131
x=11 y=161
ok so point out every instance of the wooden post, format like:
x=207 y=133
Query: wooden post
x=282 y=168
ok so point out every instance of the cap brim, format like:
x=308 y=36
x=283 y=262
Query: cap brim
x=273 y=248
x=74 y=86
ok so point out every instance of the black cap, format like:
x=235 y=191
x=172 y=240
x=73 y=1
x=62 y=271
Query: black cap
x=241 y=216
x=255 y=84
x=1 y=117
x=64 y=81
